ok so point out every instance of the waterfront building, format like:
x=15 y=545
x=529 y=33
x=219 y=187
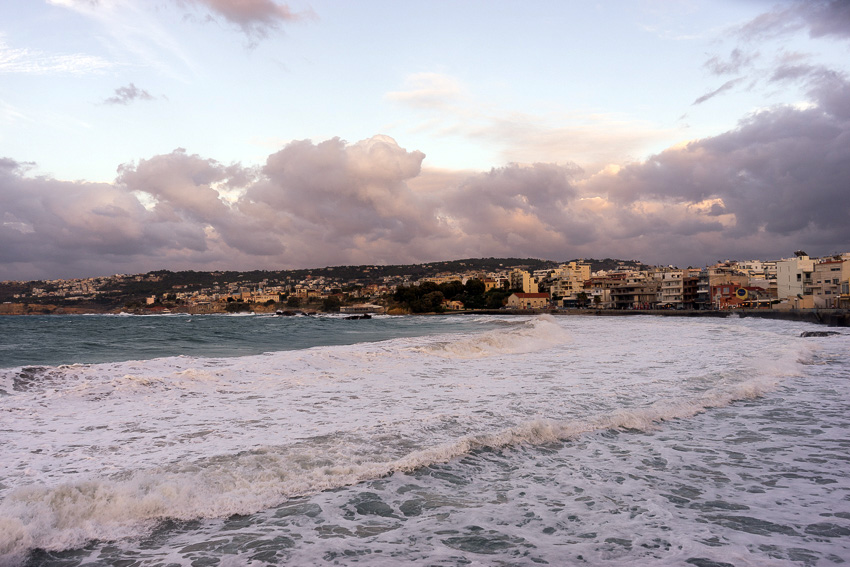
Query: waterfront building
x=639 y=291
x=794 y=276
x=528 y=300
x=827 y=278
x=568 y=280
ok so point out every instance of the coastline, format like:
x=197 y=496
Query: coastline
x=828 y=317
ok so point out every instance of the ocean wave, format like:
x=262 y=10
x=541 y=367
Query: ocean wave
x=69 y=515
x=518 y=338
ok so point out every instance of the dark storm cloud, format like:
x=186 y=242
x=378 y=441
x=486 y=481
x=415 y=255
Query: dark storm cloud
x=521 y=206
x=128 y=94
x=822 y=18
x=781 y=173
x=827 y=18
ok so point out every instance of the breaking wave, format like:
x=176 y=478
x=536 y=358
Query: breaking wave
x=529 y=336
x=70 y=515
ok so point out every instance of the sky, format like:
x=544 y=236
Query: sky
x=139 y=135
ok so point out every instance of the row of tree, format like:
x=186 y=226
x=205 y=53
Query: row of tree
x=428 y=297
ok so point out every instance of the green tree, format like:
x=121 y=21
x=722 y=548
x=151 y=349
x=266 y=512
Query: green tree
x=496 y=298
x=452 y=289
x=237 y=307
x=331 y=304
x=474 y=287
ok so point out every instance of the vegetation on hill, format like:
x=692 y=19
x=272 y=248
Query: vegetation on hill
x=132 y=290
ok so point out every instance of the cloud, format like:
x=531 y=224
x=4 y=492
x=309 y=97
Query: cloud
x=783 y=174
x=827 y=18
x=133 y=27
x=449 y=110
x=775 y=183
x=822 y=18
x=128 y=94
x=256 y=18
x=723 y=88
x=35 y=62
x=428 y=90
x=737 y=60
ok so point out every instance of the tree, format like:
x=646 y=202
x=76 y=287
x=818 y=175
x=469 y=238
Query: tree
x=496 y=298
x=331 y=304
x=237 y=307
x=452 y=289
x=474 y=287
x=293 y=301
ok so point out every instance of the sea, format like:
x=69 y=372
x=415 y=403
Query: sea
x=443 y=440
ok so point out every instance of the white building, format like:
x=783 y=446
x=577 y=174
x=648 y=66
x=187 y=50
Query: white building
x=794 y=276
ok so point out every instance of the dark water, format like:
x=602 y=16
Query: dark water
x=69 y=339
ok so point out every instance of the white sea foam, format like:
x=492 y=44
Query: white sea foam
x=105 y=451
x=529 y=336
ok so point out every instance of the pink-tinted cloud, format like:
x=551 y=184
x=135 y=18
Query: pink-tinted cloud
x=776 y=183
x=256 y=18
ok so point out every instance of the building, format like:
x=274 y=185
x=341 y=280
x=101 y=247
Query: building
x=568 y=280
x=520 y=279
x=598 y=289
x=638 y=292
x=794 y=276
x=827 y=279
x=528 y=300
x=679 y=288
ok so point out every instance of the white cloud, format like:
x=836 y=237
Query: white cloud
x=35 y=62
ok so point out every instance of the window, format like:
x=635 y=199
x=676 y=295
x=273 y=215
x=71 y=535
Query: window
x=799 y=277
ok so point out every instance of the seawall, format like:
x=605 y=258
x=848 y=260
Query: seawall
x=829 y=317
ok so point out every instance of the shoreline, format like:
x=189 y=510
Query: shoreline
x=827 y=317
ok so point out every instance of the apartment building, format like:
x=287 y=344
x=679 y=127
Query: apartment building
x=568 y=280
x=520 y=279
x=794 y=276
x=827 y=279
x=639 y=291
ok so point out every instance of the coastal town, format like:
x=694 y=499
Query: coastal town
x=798 y=282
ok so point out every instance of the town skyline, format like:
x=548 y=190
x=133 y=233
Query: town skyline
x=214 y=135
x=799 y=282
